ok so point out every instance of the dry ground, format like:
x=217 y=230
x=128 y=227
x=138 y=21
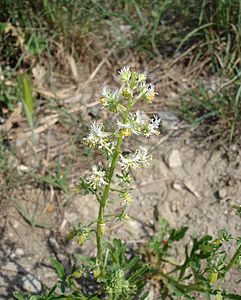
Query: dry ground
x=190 y=181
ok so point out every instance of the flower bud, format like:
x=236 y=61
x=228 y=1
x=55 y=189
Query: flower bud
x=126 y=132
x=126 y=93
x=97 y=273
x=83 y=237
x=103 y=100
x=78 y=274
x=219 y=297
x=213 y=277
x=150 y=98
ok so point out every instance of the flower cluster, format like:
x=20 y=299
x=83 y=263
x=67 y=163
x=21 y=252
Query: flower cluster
x=119 y=286
x=97 y=178
x=139 y=123
x=125 y=178
x=125 y=74
x=97 y=136
x=134 y=87
x=111 y=100
x=140 y=158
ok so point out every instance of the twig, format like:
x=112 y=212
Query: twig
x=51 y=120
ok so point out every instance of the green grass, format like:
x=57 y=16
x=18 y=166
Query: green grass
x=219 y=110
x=150 y=26
x=31 y=31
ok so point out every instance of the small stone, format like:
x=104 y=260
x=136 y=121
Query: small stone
x=31 y=283
x=174 y=160
x=19 y=252
x=2 y=120
x=15 y=224
x=189 y=186
x=177 y=185
x=10 y=267
x=13 y=255
x=151 y=295
x=94 y=111
x=53 y=243
x=169 y=120
x=23 y=169
x=222 y=193
x=176 y=206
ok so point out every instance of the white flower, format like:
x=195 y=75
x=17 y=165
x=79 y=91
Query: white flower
x=135 y=124
x=97 y=178
x=155 y=121
x=97 y=136
x=111 y=100
x=125 y=74
x=106 y=92
x=152 y=127
x=139 y=159
x=127 y=162
x=146 y=91
x=143 y=88
x=128 y=128
x=139 y=118
x=142 y=156
x=139 y=123
x=142 y=77
x=150 y=95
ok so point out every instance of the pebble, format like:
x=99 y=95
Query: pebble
x=177 y=185
x=10 y=267
x=2 y=120
x=174 y=159
x=176 y=206
x=23 y=169
x=19 y=252
x=169 y=120
x=151 y=295
x=222 y=193
x=54 y=243
x=15 y=224
x=31 y=283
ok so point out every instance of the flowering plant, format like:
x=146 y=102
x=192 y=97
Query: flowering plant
x=133 y=90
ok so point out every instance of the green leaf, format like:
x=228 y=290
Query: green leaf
x=37 y=298
x=132 y=263
x=3 y=26
x=27 y=97
x=143 y=297
x=72 y=234
x=138 y=273
x=178 y=234
x=36 y=45
x=52 y=290
x=119 y=252
x=18 y=295
x=58 y=267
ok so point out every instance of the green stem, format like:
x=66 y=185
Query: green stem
x=116 y=190
x=233 y=259
x=193 y=287
x=101 y=220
